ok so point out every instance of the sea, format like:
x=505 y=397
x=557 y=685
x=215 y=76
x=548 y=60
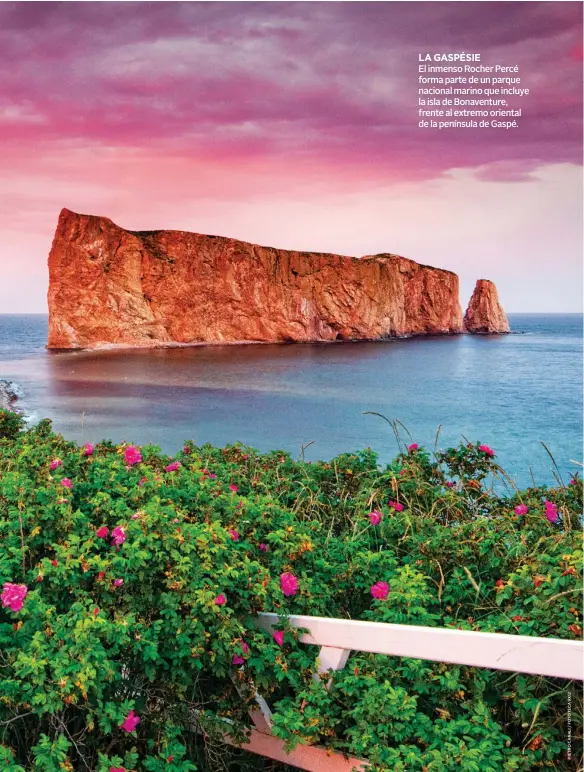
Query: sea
x=521 y=394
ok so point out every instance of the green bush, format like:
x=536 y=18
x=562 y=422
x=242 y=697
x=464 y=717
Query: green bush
x=143 y=578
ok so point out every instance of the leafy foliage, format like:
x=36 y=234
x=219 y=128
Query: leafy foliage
x=144 y=577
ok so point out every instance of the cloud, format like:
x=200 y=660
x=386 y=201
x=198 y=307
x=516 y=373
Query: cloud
x=292 y=124
x=333 y=82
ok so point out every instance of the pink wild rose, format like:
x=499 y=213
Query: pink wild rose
x=55 y=464
x=487 y=450
x=117 y=769
x=130 y=722
x=450 y=484
x=375 y=517
x=118 y=535
x=102 y=532
x=234 y=534
x=288 y=584
x=278 y=636
x=66 y=483
x=172 y=467
x=212 y=477
x=13 y=596
x=220 y=600
x=414 y=446
x=551 y=511
x=380 y=590
x=233 y=488
x=521 y=509
x=132 y=455
x=237 y=658
x=263 y=547
x=118 y=582
x=88 y=449
x=396 y=505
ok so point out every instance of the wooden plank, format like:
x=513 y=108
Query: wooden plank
x=330 y=658
x=516 y=653
x=312 y=758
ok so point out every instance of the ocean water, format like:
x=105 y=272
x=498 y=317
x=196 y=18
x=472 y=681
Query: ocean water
x=513 y=392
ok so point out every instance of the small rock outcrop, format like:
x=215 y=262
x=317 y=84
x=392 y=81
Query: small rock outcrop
x=9 y=395
x=485 y=314
x=110 y=286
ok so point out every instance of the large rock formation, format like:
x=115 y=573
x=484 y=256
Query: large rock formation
x=110 y=286
x=485 y=314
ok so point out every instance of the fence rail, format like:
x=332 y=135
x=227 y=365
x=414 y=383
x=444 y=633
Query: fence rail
x=338 y=637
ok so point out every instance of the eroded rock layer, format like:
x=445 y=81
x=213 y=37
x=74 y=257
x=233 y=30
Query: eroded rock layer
x=108 y=285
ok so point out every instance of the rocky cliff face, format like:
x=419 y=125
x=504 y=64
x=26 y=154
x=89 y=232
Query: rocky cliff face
x=108 y=285
x=485 y=314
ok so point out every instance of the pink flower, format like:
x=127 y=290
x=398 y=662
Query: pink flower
x=263 y=547
x=118 y=535
x=118 y=582
x=573 y=481
x=117 y=769
x=521 y=509
x=414 y=446
x=288 y=584
x=551 y=511
x=380 y=590
x=66 y=483
x=237 y=658
x=130 y=722
x=278 y=636
x=172 y=467
x=132 y=455
x=396 y=505
x=450 y=484
x=234 y=535
x=487 y=450
x=88 y=449
x=212 y=477
x=102 y=532
x=55 y=464
x=375 y=517
x=136 y=516
x=233 y=488
x=13 y=596
x=220 y=600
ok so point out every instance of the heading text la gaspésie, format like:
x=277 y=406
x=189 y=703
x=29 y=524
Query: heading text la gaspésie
x=459 y=57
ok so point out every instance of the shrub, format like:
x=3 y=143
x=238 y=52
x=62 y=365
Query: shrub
x=131 y=582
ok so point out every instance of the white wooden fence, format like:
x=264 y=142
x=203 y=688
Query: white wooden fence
x=338 y=637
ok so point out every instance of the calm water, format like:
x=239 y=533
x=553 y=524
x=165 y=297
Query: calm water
x=508 y=391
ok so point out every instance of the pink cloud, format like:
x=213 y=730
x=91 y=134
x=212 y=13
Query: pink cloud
x=262 y=120
x=333 y=83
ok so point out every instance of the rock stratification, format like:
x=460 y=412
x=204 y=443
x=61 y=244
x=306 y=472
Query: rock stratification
x=485 y=314
x=109 y=286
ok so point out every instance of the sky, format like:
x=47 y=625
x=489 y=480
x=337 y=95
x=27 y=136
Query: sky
x=293 y=125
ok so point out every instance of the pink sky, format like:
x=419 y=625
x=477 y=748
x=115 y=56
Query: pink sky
x=293 y=125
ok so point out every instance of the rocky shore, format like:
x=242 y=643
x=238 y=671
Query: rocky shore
x=9 y=395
